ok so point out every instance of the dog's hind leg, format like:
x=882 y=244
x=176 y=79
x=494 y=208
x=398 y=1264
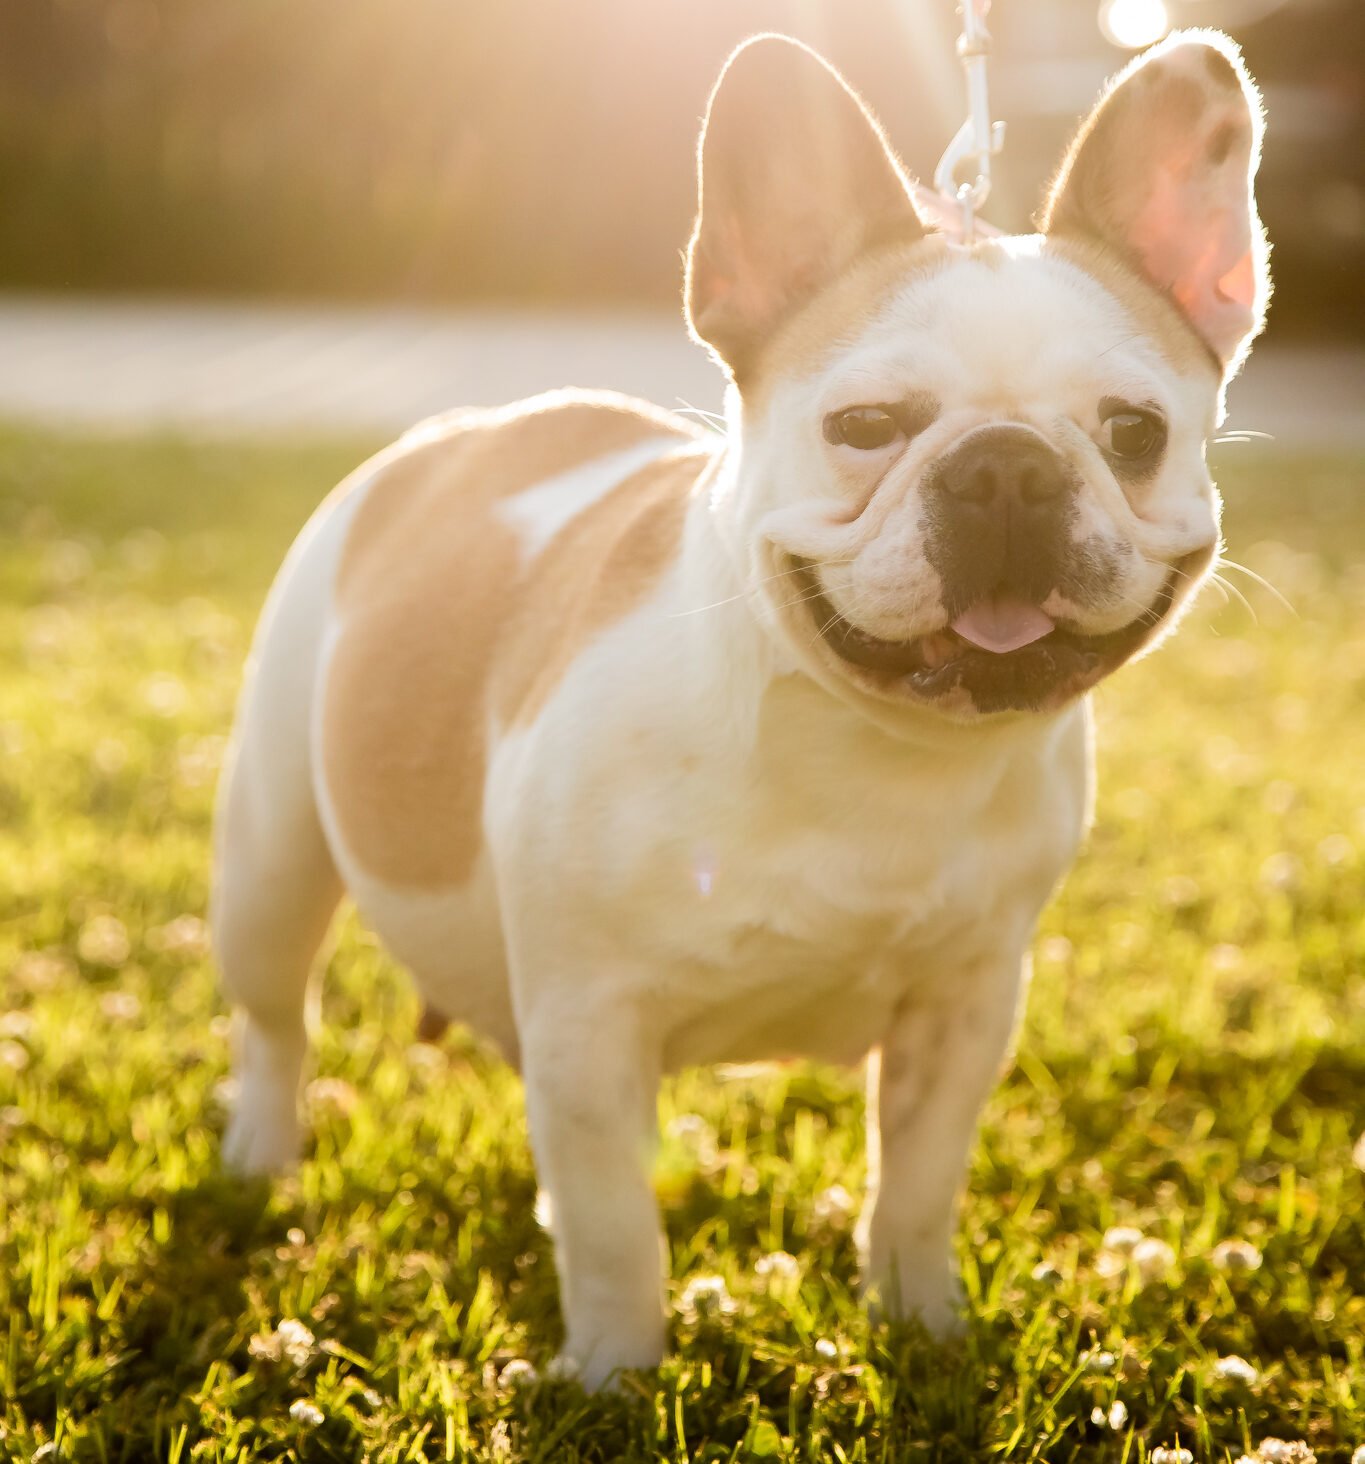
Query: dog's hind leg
x=276 y=887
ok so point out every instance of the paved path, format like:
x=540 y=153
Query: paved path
x=217 y=368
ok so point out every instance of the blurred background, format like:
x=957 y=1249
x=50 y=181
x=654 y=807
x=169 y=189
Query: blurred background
x=527 y=161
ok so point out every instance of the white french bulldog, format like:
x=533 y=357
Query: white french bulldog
x=645 y=747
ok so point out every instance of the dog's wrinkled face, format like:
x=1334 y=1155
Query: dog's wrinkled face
x=991 y=497
x=974 y=478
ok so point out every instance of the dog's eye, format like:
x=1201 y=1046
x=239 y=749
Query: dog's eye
x=866 y=428
x=1131 y=433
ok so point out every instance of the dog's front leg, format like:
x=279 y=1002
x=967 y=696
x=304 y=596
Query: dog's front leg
x=938 y=1061
x=592 y=1075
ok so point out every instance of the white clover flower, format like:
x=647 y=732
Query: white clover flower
x=164 y=695
x=1280 y=796
x=1234 y=1369
x=330 y=1094
x=47 y=632
x=779 y=1264
x=1235 y=1255
x=1115 y=1418
x=705 y=1296
x=290 y=1342
x=826 y=1350
x=834 y=1206
x=1359 y=1456
x=692 y=1131
x=1358 y=1158
x=66 y=562
x=1153 y=1259
x=425 y=1058
x=1121 y=1239
x=120 y=1006
x=1226 y=957
x=518 y=1374
x=1100 y=1362
x=38 y=971
x=186 y=935
x=199 y=759
x=16 y=1024
x=1285 y=1451
x=142 y=550
x=1180 y=892
x=103 y=941
x=1046 y=1273
x=1165 y=1455
x=306 y=1413
x=296 y=1341
x=1281 y=871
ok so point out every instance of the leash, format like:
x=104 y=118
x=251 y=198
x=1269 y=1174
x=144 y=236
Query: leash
x=978 y=139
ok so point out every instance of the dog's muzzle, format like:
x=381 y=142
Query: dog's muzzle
x=999 y=507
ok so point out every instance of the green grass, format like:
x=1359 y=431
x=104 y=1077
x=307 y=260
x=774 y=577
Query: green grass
x=1193 y=1064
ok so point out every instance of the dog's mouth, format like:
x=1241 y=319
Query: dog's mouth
x=1017 y=662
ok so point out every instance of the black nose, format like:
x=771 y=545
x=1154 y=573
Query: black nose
x=1004 y=464
x=998 y=514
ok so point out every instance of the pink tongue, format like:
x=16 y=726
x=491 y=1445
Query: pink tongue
x=1002 y=624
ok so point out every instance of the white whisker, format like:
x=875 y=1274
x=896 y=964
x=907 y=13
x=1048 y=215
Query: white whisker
x=1233 y=590
x=1259 y=579
x=802 y=599
x=742 y=595
x=714 y=420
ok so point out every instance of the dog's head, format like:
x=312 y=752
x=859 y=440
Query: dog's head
x=974 y=478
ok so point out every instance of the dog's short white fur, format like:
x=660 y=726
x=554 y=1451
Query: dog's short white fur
x=637 y=744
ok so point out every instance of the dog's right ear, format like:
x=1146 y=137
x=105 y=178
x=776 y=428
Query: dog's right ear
x=796 y=181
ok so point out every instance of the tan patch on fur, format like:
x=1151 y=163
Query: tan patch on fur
x=594 y=573
x=842 y=312
x=434 y=604
x=1158 y=316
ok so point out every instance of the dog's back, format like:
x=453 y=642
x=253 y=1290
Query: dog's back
x=481 y=555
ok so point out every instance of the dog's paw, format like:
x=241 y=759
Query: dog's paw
x=601 y=1362
x=939 y=1311
x=264 y=1135
x=933 y=1297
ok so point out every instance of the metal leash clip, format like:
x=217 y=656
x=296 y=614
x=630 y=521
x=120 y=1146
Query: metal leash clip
x=978 y=139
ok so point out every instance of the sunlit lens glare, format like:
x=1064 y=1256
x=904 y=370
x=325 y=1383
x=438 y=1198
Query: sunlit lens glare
x=1134 y=23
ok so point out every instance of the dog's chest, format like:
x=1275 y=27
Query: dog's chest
x=823 y=899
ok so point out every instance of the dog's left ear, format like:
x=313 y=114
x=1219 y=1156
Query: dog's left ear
x=1162 y=173
x=796 y=182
